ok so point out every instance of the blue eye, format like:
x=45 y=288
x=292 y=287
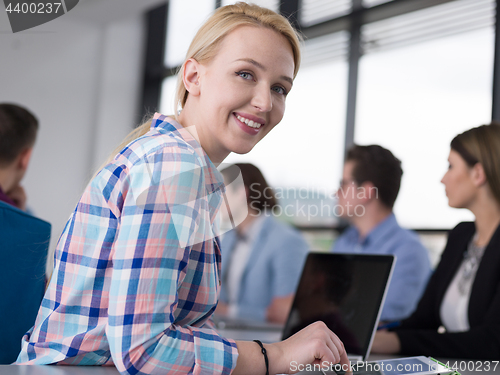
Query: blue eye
x=279 y=90
x=244 y=75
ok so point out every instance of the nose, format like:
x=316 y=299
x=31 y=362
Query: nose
x=338 y=191
x=443 y=180
x=262 y=98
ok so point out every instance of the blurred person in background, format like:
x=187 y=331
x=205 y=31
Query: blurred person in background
x=18 y=131
x=459 y=313
x=370 y=185
x=262 y=258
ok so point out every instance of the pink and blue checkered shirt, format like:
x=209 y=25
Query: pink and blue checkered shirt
x=137 y=267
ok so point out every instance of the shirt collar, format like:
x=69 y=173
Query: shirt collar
x=253 y=230
x=213 y=178
x=379 y=231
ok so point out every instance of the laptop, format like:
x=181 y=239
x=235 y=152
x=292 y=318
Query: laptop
x=345 y=291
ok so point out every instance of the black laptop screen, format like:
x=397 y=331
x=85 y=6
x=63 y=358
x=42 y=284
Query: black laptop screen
x=343 y=290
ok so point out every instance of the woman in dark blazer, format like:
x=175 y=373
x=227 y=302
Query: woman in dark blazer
x=458 y=315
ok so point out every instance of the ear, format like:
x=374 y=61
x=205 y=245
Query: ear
x=24 y=158
x=191 y=76
x=478 y=175
x=369 y=191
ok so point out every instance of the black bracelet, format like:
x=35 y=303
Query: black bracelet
x=264 y=351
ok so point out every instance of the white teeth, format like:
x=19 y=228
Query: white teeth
x=248 y=122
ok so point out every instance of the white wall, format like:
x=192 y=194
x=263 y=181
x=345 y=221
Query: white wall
x=81 y=75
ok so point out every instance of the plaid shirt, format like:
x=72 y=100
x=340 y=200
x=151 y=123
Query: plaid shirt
x=137 y=267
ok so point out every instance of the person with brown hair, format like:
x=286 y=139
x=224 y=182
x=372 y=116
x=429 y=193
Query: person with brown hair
x=366 y=196
x=458 y=315
x=137 y=268
x=18 y=130
x=262 y=257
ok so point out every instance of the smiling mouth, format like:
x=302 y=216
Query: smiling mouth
x=248 y=122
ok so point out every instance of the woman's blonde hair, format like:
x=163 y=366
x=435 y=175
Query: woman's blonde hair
x=206 y=42
x=482 y=145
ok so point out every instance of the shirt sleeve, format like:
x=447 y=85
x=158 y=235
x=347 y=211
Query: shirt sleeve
x=288 y=264
x=288 y=253
x=158 y=226
x=342 y=243
x=409 y=279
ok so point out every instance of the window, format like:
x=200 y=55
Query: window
x=167 y=95
x=426 y=77
x=425 y=74
x=315 y=11
x=184 y=20
x=271 y=4
x=372 y=3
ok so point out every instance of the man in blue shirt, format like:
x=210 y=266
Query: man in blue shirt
x=368 y=189
x=18 y=130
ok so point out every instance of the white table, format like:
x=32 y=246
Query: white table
x=465 y=367
x=109 y=370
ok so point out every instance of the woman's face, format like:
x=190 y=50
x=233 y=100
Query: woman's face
x=243 y=90
x=459 y=186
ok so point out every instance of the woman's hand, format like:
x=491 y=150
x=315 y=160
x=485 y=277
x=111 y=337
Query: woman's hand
x=315 y=344
x=386 y=342
x=278 y=309
x=222 y=309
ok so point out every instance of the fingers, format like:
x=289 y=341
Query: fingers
x=315 y=344
x=340 y=352
x=336 y=350
x=343 y=359
x=345 y=363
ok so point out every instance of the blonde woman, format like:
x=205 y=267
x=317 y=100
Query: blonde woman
x=463 y=294
x=137 y=268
